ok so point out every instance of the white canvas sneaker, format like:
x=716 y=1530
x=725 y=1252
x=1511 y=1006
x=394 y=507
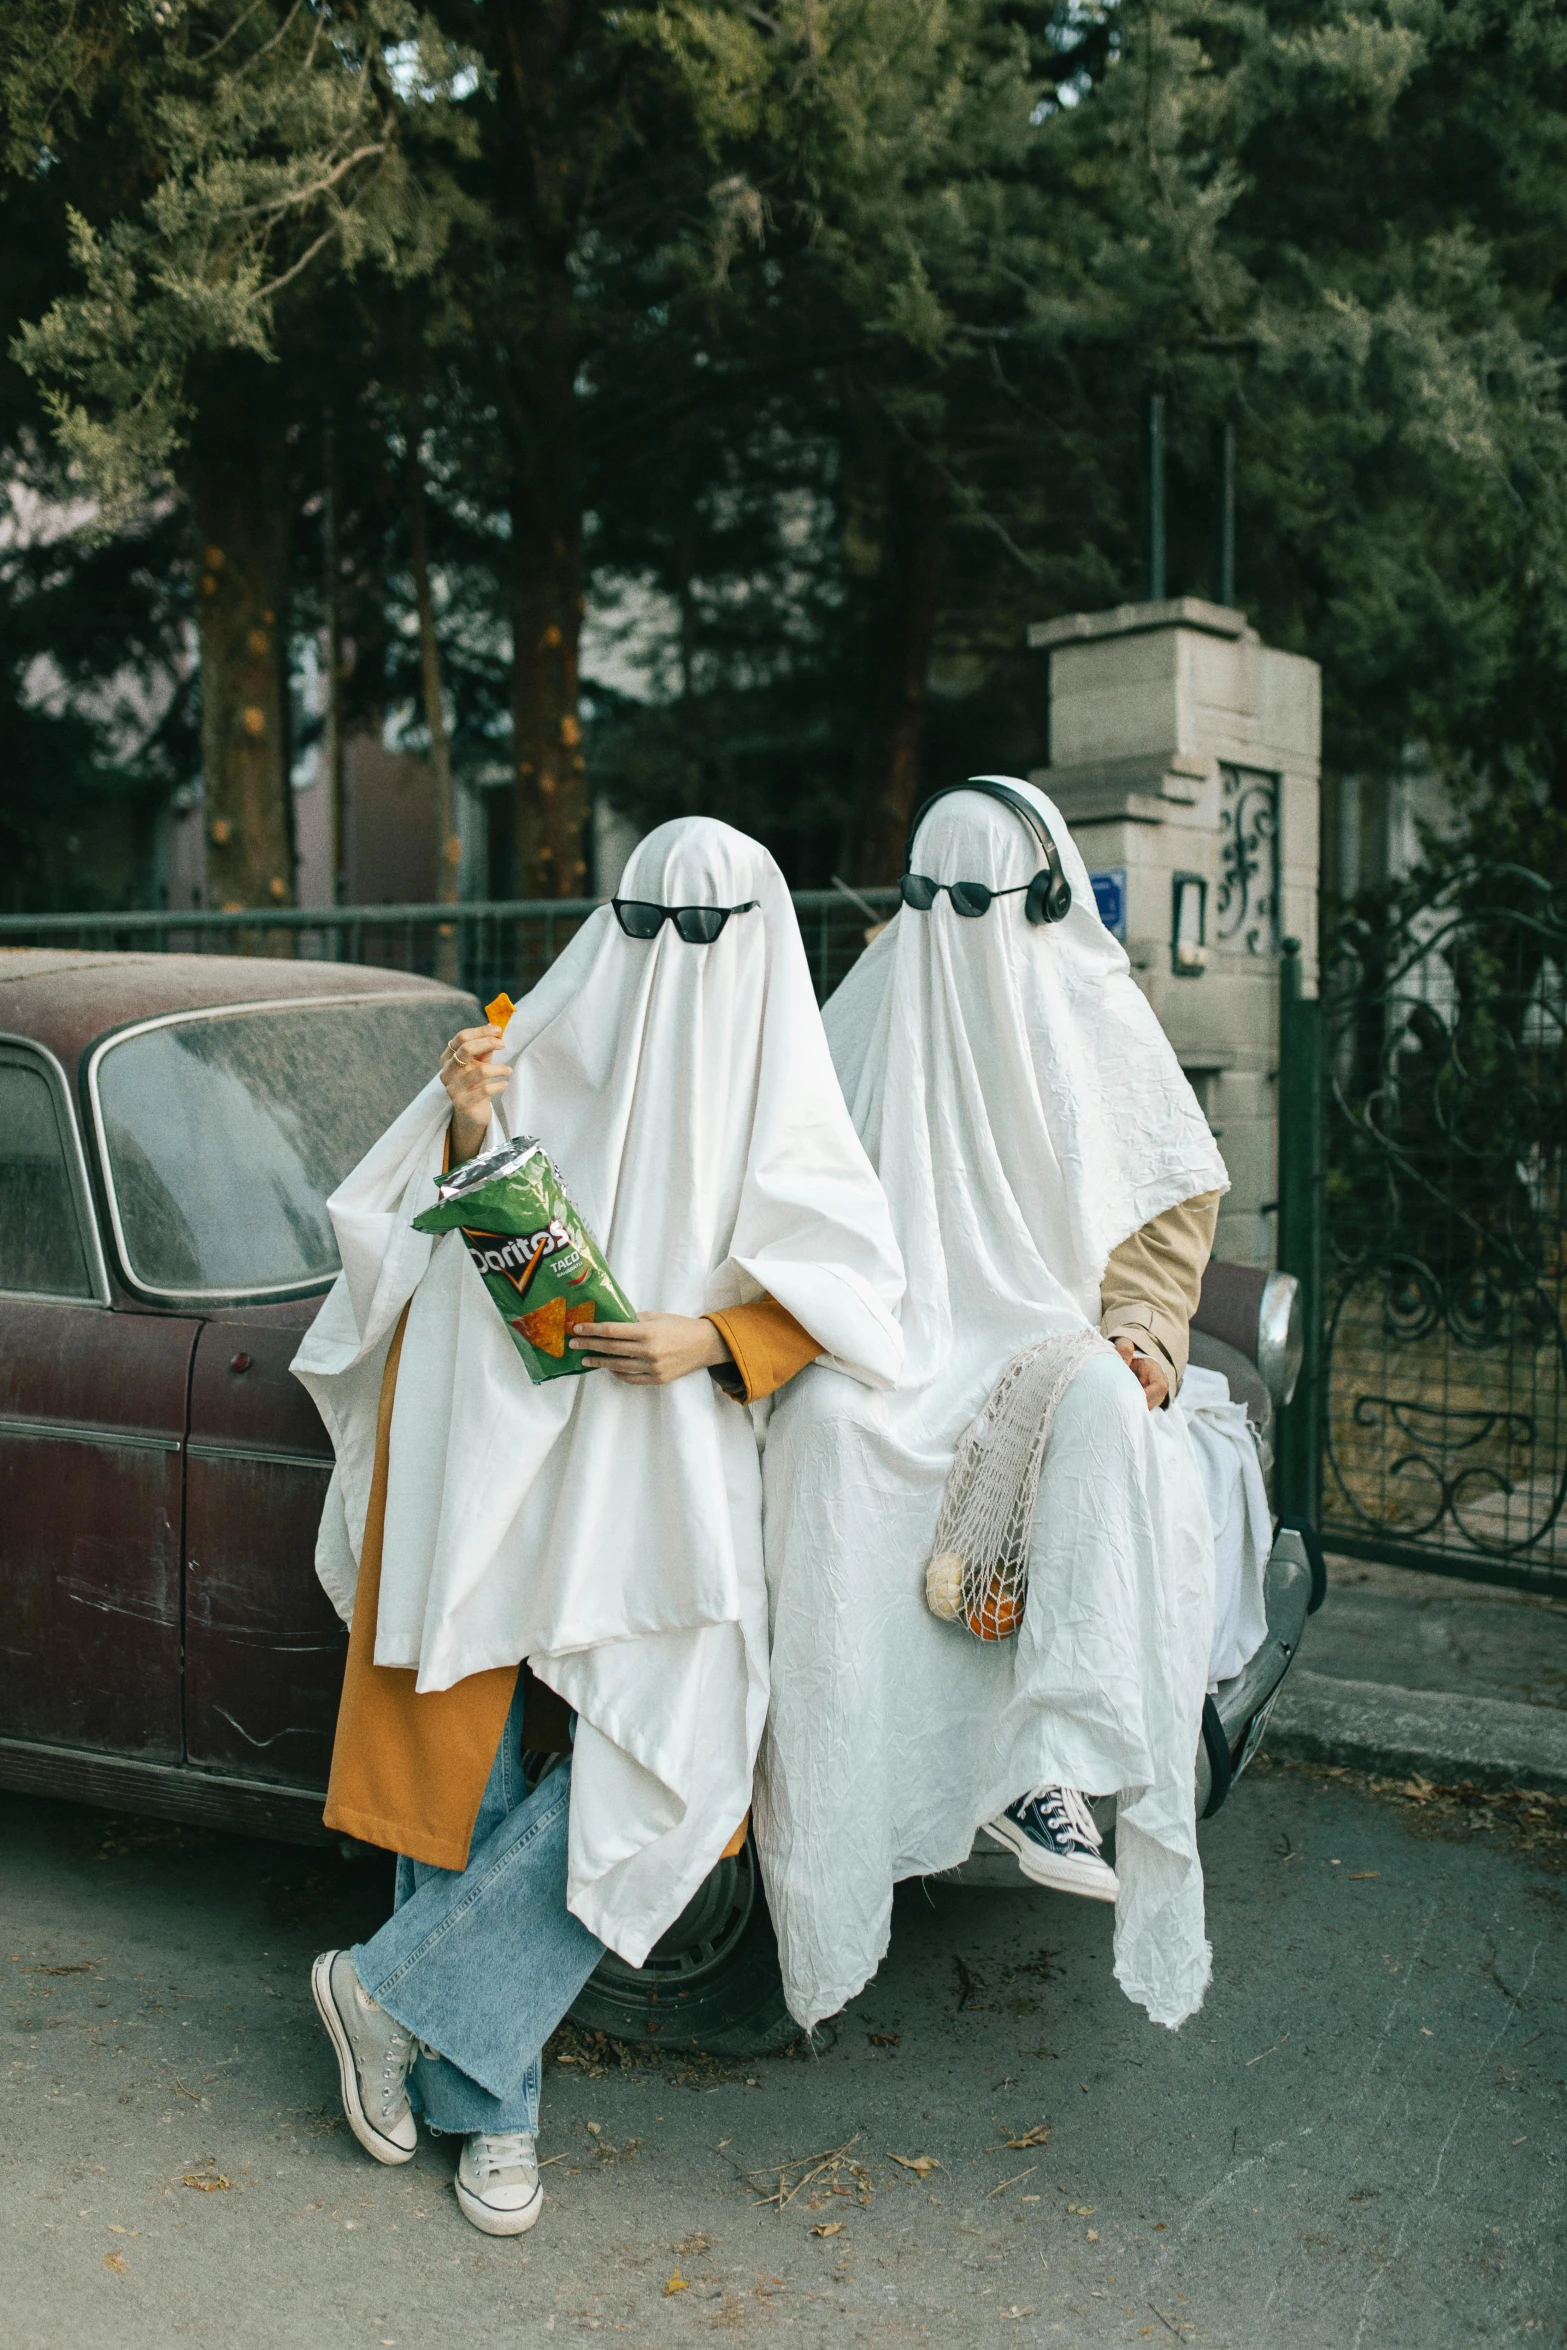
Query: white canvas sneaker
x=498 y=2182
x=373 y=2055
x=1053 y=1833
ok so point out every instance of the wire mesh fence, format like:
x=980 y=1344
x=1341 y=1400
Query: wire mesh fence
x=1442 y=1400
x=483 y=947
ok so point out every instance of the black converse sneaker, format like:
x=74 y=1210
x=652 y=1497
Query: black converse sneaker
x=1053 y=1834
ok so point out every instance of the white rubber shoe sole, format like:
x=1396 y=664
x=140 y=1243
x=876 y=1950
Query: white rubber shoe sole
x=1076 y=1872
x=374 y=2141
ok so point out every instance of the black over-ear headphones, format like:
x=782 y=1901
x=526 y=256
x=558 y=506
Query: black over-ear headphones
x=1049 y=896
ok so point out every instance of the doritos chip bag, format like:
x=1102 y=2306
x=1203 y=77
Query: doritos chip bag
x=540 y=1263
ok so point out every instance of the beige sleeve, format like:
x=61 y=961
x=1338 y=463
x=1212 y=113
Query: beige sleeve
x=1154 y=1279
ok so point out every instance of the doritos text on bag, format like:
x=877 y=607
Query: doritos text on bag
x=538 y=1260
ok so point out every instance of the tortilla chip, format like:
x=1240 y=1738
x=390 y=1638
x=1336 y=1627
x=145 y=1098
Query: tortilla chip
x=579 y=1316
x=500 y=1011
x=545 y=1327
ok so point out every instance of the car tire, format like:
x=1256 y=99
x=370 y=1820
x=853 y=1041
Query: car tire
x=711 y=1982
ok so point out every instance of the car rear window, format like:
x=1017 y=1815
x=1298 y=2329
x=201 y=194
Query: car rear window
x=223 y=1136
x=40 y=1235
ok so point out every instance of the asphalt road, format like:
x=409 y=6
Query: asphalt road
x=1356 y=2146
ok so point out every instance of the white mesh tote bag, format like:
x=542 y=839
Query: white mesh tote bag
x=978 y=1572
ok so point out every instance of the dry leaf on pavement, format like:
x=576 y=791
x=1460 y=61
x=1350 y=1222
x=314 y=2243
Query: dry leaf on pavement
x=814 y=2168
x=920 y=2164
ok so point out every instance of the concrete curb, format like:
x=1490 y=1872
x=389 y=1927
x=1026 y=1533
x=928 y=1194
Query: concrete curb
x=1373 y=1727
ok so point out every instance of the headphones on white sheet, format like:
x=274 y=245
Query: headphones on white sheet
x=1049 y=897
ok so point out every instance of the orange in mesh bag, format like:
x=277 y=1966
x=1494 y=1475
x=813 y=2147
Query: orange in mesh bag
x=978 y=1572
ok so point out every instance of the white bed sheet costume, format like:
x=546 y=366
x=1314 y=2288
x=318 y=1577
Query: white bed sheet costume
x=1237 y=1496
x=1025 y=1113
x=611 y=1534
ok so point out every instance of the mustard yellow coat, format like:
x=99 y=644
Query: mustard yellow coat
x=408 y=1771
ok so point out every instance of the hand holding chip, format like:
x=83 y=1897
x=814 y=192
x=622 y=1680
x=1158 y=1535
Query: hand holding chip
x=654 y=1350
x=473 y=1080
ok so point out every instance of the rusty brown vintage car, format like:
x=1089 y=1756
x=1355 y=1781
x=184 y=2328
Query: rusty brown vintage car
x=170 y=1128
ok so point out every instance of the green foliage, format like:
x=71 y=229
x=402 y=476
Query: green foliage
x=1335 y=225
x=96 y=703
x=276 y=141
x=1404 y=459
x=854 y=304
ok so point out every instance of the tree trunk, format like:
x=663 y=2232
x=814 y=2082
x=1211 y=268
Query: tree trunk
x=448 y=848
x=332 y=732
x=546 y=582
x=902 y=635
x=544 y=136
x=243 y=522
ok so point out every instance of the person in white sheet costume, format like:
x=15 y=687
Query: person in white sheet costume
x=607 y=1529
x=1028 y=1118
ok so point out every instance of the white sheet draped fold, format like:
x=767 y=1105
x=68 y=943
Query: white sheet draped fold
x=1242 y=1521
x=1025 y=1113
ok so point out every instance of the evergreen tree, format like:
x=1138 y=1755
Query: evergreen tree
x=812 y=341
x=1251 y=208
x=277 y=144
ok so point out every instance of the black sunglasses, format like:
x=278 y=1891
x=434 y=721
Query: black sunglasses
x=968 y=897
x=697 y=925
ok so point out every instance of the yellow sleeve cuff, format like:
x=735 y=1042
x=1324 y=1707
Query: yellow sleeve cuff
x=767 y=1346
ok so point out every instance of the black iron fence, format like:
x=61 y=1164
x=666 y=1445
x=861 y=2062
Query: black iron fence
x=483 y=947
x=1423 y=1199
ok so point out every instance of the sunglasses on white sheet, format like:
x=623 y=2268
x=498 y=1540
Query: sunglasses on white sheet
x=697 y=925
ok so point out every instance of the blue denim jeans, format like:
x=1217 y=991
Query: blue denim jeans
x=482 y=1962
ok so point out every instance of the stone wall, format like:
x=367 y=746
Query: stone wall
x=1185 y=752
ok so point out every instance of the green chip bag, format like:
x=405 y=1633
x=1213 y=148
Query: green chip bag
x=539 y=1262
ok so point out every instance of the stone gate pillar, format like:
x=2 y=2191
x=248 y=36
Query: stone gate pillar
x=1185 y=754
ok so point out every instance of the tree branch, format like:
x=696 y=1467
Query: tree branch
x=276 y=206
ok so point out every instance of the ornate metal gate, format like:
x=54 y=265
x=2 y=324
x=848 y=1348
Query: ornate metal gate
x=1438 y=1405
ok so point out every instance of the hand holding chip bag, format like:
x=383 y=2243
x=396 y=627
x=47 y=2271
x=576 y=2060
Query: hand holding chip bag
x=541 y=1265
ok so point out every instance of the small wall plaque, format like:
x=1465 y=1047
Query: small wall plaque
x=1110 y=897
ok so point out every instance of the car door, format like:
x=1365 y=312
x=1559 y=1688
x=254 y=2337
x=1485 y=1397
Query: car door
x=92 y=1431
x=263 y=1646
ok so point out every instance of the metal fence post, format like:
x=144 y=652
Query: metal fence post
x=1301 y=1206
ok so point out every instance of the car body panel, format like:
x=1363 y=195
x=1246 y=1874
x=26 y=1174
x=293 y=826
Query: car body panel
x=263 y=1646
x=92 y=1431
